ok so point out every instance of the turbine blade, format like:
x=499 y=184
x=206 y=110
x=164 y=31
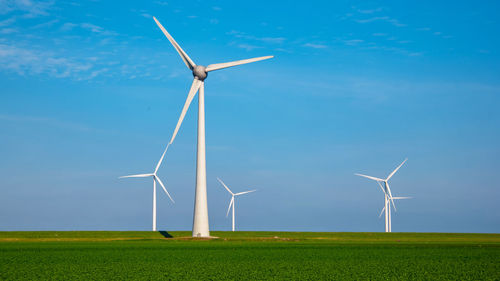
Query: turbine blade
x=217 y=66
x=369 y=177
x=245 y=192
x=383 y=209
x=187 y=60
x=161 y=159
x=227 y=188
x=395 y=170
x=399 y=198
x=192 y=92
x=390 y=196
x=229 y=208
x=161 y=183
x=137 y=176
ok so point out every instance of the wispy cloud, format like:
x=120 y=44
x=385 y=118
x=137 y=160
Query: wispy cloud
x=8 y=30
x=371 y=19
x=387 y=19
x=7 y=22
x=436 y=33
x=30 y=8
x=47 y=121
x=92 y=27
x=396 y=50
x=315 y=46
x=247 y=47
x=161 y=3
x=272 y=40
x=353 y=42
x=68 y=26
x=370 y=11
x=28 y=61
x=46 y=24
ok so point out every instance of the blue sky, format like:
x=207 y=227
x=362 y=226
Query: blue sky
x=92 y=91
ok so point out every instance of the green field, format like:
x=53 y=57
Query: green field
x=248 y=256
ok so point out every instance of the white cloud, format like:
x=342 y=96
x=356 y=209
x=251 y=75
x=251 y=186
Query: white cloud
x=7 y=22
x=68 y=26
x=45 y=24
x=370 y=11
x=372 y=19
x=92 y=27
x=26 y=61
x=353 y=42
x=87 y=26
x=248 y=47
x=315 y=46
x=272 y=40
x=47 y=121
x=30 y=8
x=8 y=30
x=95 y=73
x=392 y=21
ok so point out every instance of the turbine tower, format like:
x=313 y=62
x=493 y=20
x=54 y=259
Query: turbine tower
x=232 y=203
x=200 y=72
x=388 y=198
x=155 y=179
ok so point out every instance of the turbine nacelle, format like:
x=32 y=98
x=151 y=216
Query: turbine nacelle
x=200 y=72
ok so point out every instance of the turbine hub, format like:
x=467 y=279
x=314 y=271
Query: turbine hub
x=200 y=72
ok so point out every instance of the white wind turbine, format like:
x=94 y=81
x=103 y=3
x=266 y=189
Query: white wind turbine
x=232 y=203
x=388 y=196
x=155 y=179
x=200 y=219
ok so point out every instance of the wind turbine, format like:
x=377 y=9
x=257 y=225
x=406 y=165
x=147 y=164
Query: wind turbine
x=384 y=185
x=232 y=203
x=200 y=72
x=155 y=179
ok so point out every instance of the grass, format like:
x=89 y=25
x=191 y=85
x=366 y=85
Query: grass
x=248 y=256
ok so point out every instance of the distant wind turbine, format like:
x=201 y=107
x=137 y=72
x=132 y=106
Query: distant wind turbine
x=388 y=196
x=232 y=202
x=155 y=179
x=200 y=72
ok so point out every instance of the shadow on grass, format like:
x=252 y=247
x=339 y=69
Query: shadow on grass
x=166 y=234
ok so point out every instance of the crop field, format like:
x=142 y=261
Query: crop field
x=248 y=256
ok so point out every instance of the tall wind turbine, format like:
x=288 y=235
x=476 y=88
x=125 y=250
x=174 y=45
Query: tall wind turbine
x=155 y=179
x=200 y=72
x=232 y=203
x=384 y=185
